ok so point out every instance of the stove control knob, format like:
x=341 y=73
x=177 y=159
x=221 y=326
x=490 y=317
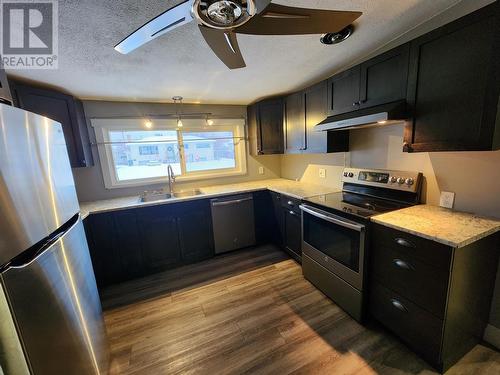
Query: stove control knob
x=410 y=181
x=401 y=180
x=394 y=179
x=346 y=174
x=351 y=175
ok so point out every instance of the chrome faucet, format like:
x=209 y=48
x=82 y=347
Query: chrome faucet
x=171 y=179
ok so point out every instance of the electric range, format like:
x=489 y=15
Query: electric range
x=335 y=230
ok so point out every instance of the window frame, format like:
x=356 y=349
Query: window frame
x=102 y=127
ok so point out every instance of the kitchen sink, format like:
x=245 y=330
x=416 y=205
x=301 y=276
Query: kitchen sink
x=188 y=193
x=159 y=195
x=156 y=195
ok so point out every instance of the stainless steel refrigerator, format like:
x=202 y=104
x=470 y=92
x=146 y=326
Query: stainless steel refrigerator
x=50 y=314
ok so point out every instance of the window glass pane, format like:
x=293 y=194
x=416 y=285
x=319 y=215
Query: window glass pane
x=207 y=151
x=144 y=154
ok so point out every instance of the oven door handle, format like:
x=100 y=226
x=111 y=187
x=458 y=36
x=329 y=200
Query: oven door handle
x=332 y=218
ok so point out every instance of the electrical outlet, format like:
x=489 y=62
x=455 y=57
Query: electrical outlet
x=447 y=199
x=322 y=173
x=261 y=170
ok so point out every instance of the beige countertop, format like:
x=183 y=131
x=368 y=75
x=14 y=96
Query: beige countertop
x=452 y=228
x=299 y=190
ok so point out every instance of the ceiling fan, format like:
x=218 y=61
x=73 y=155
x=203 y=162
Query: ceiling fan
x=220 y=20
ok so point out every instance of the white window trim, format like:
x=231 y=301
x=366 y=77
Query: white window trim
x=103 y=126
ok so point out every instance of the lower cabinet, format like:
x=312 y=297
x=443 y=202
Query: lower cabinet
x=132 y=243
x=288 y=227
x=160 y=245
x=194 y=223
x=293 y=233
x=434 y=297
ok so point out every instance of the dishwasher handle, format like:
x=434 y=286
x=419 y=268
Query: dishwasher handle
x=231 y=202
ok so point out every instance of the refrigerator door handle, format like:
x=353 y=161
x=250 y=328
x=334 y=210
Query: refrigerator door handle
x=32 y=255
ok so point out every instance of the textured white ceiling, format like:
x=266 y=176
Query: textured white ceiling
x=180 y=63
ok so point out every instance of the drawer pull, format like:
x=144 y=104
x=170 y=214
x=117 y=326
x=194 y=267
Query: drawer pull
x=398 y=305
x=290 y=203
x=404 y=243
x=402 y=264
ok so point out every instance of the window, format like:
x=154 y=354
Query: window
x=132 y=155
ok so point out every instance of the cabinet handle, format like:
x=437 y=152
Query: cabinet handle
x=403 y=265
x=355 y=104
x=290 y=203
x=293 y=213
x=404 y=243
x=398 y=305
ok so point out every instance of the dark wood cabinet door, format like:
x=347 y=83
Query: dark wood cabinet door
x=63 y=109
x=279 y=233
x=384 y=78
x=343 y=92
x=195 y=232
x=127 y=244
x=454 y=85
x=265 y=222
x=253 y=131
x=5 y=96
x=159 y=238
x=316 y=110
x=270 y=126
x=295 y=124
x=293 y=233
x=100 y=234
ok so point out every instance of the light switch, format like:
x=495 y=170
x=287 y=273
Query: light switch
x=261 y=170
x=322 y=173
x=447 y=199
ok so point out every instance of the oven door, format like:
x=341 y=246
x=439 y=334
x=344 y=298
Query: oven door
x=334 y=242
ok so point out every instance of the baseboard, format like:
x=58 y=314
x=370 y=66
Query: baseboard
x=492 y=335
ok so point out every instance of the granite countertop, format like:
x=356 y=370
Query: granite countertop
x=452 y=228
x=299 y=190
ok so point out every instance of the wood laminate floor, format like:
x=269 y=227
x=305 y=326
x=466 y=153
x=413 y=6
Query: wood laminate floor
x=251 y=312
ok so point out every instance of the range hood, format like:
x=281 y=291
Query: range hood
x=386 y=114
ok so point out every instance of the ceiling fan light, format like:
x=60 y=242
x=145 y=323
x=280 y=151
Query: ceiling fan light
x=148 y=124
x=224 y=14
x=179 y=123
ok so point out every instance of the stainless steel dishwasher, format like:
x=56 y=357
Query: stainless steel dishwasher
x=233 y=223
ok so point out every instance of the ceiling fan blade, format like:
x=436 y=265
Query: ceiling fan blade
x=225 y=46
x=165 y=22
x=282 y=20
x=260 y=5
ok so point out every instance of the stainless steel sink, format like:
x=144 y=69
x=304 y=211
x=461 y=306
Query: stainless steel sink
x=156 y=195
x=159 y=195
x=188 y=193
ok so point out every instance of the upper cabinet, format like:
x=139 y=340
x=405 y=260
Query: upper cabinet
x=343 y=92
x=265 y=123
x=5 y=96
x=295 y=124
x=380 y=80
x=315 y=111
x=384 y=78
x=64 y=109
x=454 y=84
x=303 y=111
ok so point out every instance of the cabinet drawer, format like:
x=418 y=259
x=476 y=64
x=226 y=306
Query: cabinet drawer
x=419 y=282
x=426 y=251
x=291 y=204
x=419 y=329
